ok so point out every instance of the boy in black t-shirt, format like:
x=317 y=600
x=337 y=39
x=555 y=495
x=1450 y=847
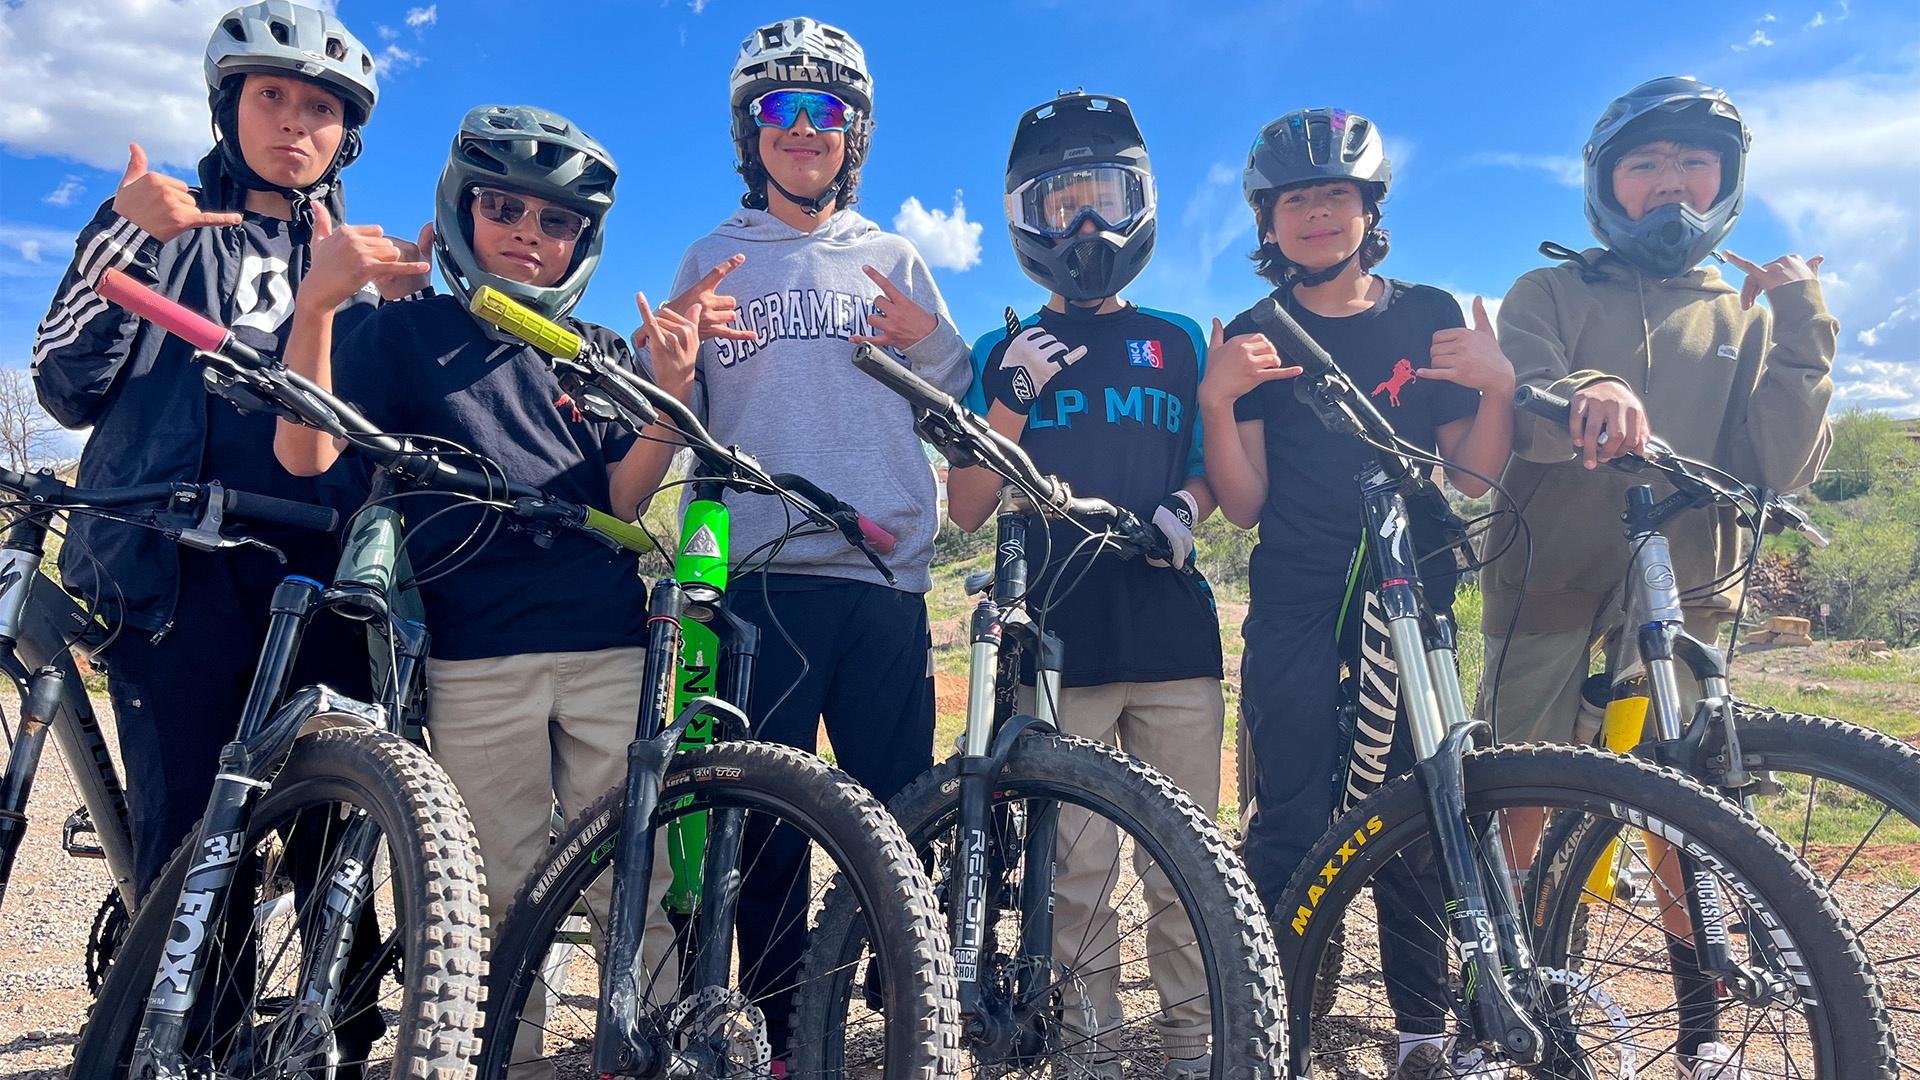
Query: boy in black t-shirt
x=538 y=652
x=1104 y=395
x=1315 y=180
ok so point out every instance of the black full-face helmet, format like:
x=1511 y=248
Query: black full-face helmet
x=1076 y=159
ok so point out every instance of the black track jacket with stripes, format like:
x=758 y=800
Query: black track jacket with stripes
x=96 y=365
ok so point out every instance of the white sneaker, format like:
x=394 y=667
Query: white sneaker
x=1712 y=1061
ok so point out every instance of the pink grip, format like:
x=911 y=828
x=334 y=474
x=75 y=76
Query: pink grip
x=877 y=538
x=190 y=326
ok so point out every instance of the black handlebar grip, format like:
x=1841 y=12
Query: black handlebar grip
x=272 y=511
x=920 y=393
x=1291 y=338
x=1542 y=404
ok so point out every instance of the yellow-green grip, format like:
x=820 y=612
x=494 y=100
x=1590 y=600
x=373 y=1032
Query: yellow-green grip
x=627 y=535
x=529 y=326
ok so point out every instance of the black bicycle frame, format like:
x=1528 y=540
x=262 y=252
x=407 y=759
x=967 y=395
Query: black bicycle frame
x=270 y=721
x=1000 y=634
x=624 y=1045
x=38 y=623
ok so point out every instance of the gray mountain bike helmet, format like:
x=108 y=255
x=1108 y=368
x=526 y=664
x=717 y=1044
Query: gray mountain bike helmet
x=1079 y=158
x=531 y=151
x=1309 y=146
x=1672 y=239
x=282 y=38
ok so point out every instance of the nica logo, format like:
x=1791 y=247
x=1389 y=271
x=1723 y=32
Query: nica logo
x=1145 y=353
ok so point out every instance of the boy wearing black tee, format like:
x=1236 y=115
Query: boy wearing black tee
x=1315 y=180
x=1105 y=395
x=538 y=652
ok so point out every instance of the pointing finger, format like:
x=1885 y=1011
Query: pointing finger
x=718 y=274
x=886 y=285
x=200 y=221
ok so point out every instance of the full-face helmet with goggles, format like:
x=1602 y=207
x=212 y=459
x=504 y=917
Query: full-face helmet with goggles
x=778 y=65
x=1078 y=160
x=520 y=149
x=1672 y=239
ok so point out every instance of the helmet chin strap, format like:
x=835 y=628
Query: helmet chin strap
x=810 y=207
x=1324 y=275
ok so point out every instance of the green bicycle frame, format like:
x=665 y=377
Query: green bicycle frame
x=701 y=569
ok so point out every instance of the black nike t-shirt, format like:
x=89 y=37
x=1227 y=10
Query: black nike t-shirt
x=425 y=368
x=1118 y=418
x=1310 y=525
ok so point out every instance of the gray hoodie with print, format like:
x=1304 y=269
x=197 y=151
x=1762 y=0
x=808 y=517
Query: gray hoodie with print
x=794 y=400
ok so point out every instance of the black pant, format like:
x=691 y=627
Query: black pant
x=1289 y=700
x=868 y=675
x=178 y=700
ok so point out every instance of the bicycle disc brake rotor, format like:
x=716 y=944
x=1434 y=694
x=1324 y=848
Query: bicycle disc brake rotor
x=720 y=1021
x=1617 y=1020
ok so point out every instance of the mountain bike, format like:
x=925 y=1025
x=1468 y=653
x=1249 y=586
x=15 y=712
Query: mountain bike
x=696 y=1008
x=1018 y=799
x=1753 y=955
x=259 y=949
x=1828 y=787
x=41 y=629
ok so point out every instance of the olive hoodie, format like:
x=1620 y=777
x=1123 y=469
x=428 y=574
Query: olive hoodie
x=1746 y=390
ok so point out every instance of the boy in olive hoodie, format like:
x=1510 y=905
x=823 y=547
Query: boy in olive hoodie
x=1644 y=341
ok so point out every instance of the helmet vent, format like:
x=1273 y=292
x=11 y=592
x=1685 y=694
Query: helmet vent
x=280 y=32
x=336 y=49
x=235 y=29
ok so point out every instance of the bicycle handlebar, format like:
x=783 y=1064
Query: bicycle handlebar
x=310 y=405
x=967 y=440
x=639 y=402
x=1683 y=472
x=264 y=509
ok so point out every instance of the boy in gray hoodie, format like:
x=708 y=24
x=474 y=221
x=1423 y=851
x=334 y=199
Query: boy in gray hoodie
x=807 y=281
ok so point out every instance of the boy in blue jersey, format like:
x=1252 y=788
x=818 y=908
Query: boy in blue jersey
x=1104 y=395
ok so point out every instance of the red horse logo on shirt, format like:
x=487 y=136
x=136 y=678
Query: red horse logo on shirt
x=1402 y=376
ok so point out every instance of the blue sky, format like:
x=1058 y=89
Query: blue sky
x=1484 y=107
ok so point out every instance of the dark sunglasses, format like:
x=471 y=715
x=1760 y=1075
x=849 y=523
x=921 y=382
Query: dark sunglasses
x=780 y=108
x=506 y=208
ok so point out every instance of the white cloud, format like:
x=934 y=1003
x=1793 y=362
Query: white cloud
x=698 y=6
x=1905 y=310
x=81 y=81
x=1879 y=384
x=1847 y=191
x=423 y=16
x=1759 y=40
x=387 y=33
x=1565 y=169
x=1819 y=20
x=945 y=239
x=69 y=189
x=24 y=250
x=1768 y=17
x=394 y=59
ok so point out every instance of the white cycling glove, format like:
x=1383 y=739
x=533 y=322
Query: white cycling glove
x=1175 y=517
x=1035 y=357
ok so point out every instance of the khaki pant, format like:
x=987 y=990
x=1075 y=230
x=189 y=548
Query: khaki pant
x=1540 y=699
x=1176 y=727
x=518 y=734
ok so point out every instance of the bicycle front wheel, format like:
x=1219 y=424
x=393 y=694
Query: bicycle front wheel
x=1613 y=985
x=543 y=991
x=408 y=993
x=1160 y=949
